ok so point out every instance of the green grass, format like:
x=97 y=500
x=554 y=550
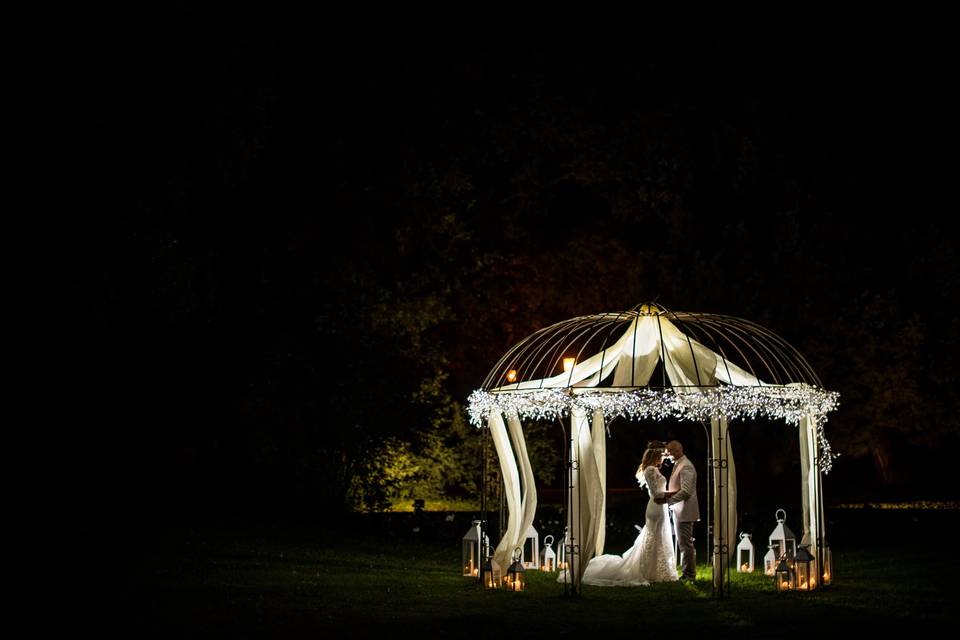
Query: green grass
x=445 y=505
x=289 y=582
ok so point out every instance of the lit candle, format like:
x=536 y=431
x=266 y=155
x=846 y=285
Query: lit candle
x=568 y=364
x=745 y=567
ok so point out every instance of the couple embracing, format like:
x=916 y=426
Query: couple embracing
x=651 y=558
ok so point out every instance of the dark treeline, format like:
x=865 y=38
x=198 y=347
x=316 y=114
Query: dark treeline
x=324 y=251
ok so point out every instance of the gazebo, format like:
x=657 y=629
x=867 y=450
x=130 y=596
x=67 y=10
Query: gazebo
x=649 y=363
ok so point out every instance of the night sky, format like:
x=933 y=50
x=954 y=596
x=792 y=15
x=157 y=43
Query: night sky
x=311 y=230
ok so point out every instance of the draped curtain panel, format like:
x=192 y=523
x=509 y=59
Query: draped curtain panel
x=502 y=555
x=528 y=500
x=584 y=519
x=724 y=511
x=809 y=477
x=599 y=432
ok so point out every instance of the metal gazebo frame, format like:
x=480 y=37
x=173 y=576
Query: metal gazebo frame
x=780 y=370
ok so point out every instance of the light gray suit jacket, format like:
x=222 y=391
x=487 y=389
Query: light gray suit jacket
x=684 y=503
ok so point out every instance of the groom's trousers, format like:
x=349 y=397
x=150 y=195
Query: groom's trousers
x=688 y=554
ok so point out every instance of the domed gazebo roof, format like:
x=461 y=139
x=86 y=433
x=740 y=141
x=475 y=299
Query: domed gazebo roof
x=649 y=362
x=740 y=343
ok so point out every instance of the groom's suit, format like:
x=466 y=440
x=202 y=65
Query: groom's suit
x=686 y=511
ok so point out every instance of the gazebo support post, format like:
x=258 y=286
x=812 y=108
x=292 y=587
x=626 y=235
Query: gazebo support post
x=720 y=545
x=483 y=505
x=571 y=587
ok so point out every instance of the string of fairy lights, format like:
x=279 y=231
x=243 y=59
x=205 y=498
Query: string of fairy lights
x=788 y=403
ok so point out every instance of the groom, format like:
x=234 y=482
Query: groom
x=683 y=503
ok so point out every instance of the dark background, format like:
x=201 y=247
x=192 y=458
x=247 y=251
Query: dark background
x=312 y=228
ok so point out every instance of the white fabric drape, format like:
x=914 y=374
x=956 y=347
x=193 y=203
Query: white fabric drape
x=599 y=432
x=584 y=518
x=518 y=485
x=809 y=481
x=688 y=363
x=639 y=355
x=724 y=497
x=582 y=371
x=502 y=555
x=634 y=356
x=528 y=499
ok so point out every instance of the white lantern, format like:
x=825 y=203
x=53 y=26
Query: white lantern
x=782 y=540
x=531 y=549
x=473 y=552
x=745 y=554
x=548 y=559
x=770 y=562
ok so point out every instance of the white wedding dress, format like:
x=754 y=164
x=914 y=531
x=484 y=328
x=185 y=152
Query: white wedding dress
x=651 y=558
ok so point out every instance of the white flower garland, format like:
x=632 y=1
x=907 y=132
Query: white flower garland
x=701 y=404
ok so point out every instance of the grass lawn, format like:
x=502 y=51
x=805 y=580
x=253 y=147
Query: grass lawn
x=293 y=581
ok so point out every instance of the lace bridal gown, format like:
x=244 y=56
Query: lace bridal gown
x=651 y=558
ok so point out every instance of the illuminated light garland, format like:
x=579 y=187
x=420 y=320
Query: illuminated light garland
x=701 y=404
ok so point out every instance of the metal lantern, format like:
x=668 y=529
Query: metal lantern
x=783 y=576
x=770 y=561
x=805 y=570
x=515 y=580
x=473 y=551
x=826 y=566
x=745 y=554
x=530 y=554
x=548 y=559
x=782 y=539
x=489 y=580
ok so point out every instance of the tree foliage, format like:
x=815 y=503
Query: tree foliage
x=323 y=281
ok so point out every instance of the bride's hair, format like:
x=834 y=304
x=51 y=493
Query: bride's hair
x=650 y=457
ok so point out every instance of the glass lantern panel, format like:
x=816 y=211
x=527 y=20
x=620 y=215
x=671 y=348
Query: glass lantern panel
x=471 y=558
x=803 y=583
x=530 y=553
x=777 y=547
x=783 y=581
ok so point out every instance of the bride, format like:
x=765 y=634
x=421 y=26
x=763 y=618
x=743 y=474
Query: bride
x=651 y=558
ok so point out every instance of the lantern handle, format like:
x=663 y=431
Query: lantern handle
x=517 y=554
x=545 y=540
x=779 y=519
x=745 y=535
